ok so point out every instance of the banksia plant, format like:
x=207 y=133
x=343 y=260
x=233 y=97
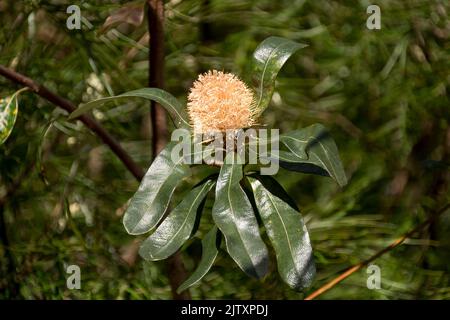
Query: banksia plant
x=217 y=102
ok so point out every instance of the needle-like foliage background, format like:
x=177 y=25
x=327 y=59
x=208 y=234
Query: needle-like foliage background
x=383 y=94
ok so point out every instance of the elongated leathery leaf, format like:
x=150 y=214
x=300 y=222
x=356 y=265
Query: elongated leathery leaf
x=268 y=59
x=311 y=150
x=151 y=200
x=9 y=107
x=168 y=101
x=177 y=227
x=288 y=235
x=233 y=214
x=269 y=182
x=210 y=243
x=316 y=144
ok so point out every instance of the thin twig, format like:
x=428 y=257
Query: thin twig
x=364 y=263
x=156 y=72
x=95 y=127
x=175 y=267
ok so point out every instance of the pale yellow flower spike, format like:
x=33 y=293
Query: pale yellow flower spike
x=219 y=101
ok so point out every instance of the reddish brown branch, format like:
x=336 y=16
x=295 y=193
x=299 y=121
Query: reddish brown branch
x=176 y=270
x=175 y=267
x=95 y=127
x=156 y=72
x=364 y=263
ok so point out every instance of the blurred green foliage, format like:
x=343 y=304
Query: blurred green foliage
x=384 y=94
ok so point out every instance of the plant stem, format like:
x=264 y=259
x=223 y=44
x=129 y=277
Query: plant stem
x=156 y=72
x=95 y=127
x=155 y=11
x=364 y=263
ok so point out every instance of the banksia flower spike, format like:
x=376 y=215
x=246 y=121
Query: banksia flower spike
x=220 y=101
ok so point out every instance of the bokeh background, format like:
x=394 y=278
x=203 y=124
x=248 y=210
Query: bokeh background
x=384 y=94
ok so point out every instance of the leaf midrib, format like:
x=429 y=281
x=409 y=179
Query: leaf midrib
x=285 y=230
x=148 y=204
x=14 y=108
x=332 y=167
x=172 y=107
x=233 y=217
x=329 y=159
x=274 y=50
x=186 y=217
x=140 y=95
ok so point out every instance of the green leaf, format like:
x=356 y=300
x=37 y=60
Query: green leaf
x=291 y=162
x=312 y=150
x=268 y=58
x=233 y=214
x=9 y=107
x=149 y=203
x=288 y=235
x=210 y=243
x=177 y=227
x=276 y=188
x=168 y=101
